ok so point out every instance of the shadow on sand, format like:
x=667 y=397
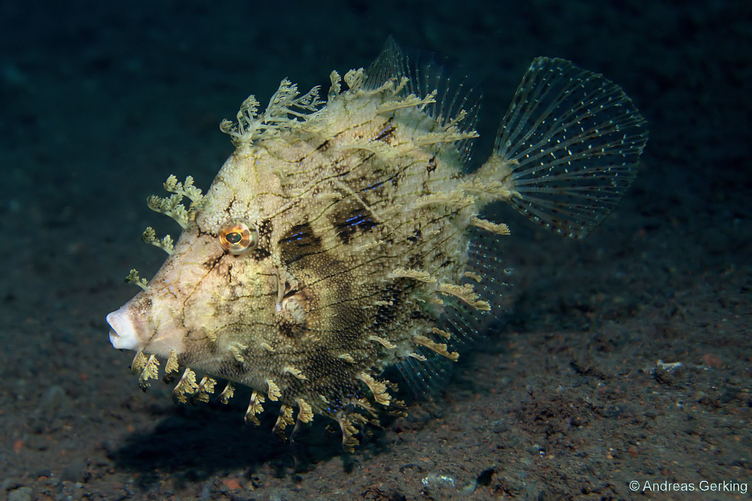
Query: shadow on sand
x=195 y=443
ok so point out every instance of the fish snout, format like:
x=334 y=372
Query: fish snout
x=123 y=334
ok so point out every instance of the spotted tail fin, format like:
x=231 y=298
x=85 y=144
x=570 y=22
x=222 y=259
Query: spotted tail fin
x=567 y=148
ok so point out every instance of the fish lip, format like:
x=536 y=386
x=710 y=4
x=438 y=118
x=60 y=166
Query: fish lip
x=123 y=335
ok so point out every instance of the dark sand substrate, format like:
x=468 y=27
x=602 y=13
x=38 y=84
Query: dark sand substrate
x=573 y=398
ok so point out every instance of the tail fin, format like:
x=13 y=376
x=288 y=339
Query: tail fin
x=567 y=148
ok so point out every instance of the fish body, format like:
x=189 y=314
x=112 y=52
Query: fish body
x=346 y=236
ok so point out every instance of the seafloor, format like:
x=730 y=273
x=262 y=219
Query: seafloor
x=626 y=357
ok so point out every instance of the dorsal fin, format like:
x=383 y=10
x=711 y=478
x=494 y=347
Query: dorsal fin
x=456 y=102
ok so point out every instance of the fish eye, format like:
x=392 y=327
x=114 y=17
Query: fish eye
x=237 y=237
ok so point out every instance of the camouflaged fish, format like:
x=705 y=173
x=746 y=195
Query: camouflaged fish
x=346 y=236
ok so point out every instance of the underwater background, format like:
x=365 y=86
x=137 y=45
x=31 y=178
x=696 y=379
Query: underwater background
x=624 y=357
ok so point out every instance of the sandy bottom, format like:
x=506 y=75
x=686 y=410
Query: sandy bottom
x=624 y=358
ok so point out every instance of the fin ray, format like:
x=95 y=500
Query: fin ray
x=456 y=102
x=572 y=140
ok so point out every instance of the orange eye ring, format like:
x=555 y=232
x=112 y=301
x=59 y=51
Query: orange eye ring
x=237 y=237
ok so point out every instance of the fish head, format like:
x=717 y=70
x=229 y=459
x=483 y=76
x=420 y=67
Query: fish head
x=217 y=287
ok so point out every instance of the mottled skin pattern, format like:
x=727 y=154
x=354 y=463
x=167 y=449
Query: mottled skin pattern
x=337 y=206
x=359 y=214
x=300 y=194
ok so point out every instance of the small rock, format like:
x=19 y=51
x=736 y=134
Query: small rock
x=20 y=494
x=43 y=472
x=485 y=476
x=37 y=443
x=50 y=403
x=500 y=426
x=9 y=484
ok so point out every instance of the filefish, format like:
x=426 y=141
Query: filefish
x=346 y=234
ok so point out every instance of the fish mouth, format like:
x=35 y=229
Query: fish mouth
x=123 y=334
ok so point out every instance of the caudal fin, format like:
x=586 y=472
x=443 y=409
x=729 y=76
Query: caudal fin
x=567 y=148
